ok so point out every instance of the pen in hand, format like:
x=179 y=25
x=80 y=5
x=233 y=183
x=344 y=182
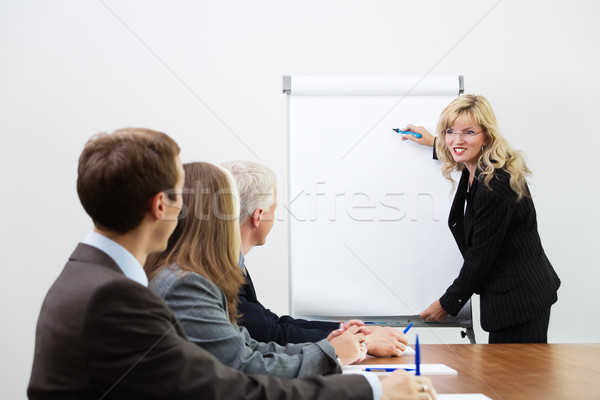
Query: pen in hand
x=415 y=134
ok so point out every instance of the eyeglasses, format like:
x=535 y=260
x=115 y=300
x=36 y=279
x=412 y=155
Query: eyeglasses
x=172 y=193
x=171 y=205
x=172 y=217
x=467 y=133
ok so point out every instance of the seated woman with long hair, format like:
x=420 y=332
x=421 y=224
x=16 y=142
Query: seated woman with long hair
x=199 y=278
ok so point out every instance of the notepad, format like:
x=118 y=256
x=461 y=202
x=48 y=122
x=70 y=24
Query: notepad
x=426 y=369
x=463 y=396
x=409 y=351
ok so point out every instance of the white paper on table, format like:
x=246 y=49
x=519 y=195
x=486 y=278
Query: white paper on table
x=426 y=369
x=409 y=351
x=463 y=396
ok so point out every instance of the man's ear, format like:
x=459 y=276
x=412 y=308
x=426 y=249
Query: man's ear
x=256 y=215
x=157 y=206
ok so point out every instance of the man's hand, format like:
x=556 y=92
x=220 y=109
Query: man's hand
x=401 y=385
x=386 y=341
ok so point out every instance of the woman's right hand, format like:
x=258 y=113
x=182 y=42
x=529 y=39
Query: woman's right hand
x=350 y=345
x=426 y=138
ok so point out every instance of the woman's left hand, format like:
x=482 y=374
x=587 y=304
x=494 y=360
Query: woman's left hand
x=434 y=312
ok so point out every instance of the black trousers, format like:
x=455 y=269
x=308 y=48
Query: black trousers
x=532 y=331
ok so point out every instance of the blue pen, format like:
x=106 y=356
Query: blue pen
x=408 y=327
x=375 y=369
x=417 y=358
x=415 y=134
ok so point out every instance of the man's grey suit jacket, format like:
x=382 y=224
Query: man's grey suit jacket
x=102 y=335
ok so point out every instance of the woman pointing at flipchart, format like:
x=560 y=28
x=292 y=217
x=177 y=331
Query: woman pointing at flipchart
x=493 y=221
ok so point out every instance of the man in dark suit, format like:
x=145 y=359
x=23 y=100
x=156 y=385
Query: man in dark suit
x=102 y=334
x=257 y=185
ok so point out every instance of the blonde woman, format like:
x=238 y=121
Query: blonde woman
x=199 y=278
x=493 y=221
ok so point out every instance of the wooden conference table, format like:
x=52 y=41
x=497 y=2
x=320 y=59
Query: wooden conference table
x=513 y=371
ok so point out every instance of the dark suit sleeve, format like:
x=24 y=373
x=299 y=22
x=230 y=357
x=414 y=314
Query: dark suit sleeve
x=265 y=326
x=492 y=213
x=136 y=349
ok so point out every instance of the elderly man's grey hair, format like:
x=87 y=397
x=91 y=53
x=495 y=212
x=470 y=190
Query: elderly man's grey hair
x=256 y=184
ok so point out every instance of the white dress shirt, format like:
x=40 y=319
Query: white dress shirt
x=124 y=259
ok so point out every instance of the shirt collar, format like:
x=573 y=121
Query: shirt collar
x=241 y=261
x=123 y=258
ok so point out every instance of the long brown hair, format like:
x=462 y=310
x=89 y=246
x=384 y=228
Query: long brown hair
x=207 y=237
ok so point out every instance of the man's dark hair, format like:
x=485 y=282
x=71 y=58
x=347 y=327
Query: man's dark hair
x=119 y=173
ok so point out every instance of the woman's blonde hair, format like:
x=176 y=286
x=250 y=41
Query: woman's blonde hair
x=496 y=154
x=207 y=238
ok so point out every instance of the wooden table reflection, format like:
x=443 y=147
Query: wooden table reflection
x=513 y=371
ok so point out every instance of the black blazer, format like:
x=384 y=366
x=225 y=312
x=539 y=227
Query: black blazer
x=102 y=335
x=265 y=326
x=504 y=260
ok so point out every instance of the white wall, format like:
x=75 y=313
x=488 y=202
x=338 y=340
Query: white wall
x=209 y=74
